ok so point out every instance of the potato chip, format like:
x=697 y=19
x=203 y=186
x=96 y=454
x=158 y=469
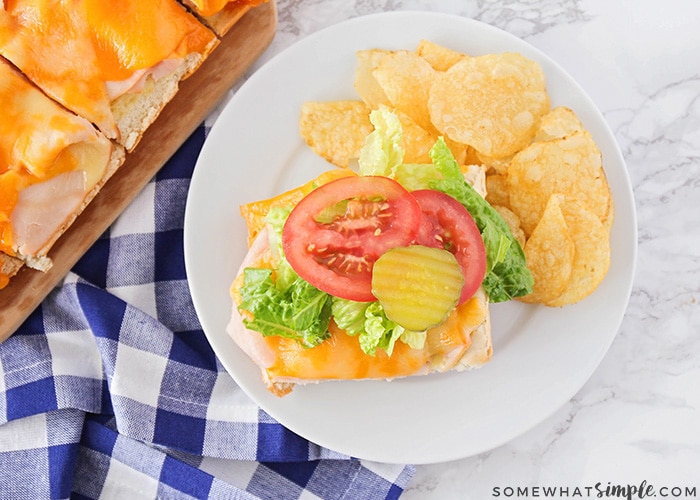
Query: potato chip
x=591 y=255
x=557 y=124
x=497 y=190
x=471 y=157
x=492 y=102
x=498 y=165
x=571 y=166
x=439 y=57
x=335 y=130
x=406 y=79
x=610 y=217
x=416 y=141
x=459 y=151
x=366 y=86
x=550 y=254
x=540 y=168
x=513 y=223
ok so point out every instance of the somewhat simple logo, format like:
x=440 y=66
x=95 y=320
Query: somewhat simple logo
x=599 y=490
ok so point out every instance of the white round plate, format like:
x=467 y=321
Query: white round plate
x=542 y=356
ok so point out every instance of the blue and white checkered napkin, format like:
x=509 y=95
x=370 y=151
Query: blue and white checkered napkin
x=110 y=389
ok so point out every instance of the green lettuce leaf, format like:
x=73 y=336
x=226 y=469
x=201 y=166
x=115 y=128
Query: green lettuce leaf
x=507 y=275
x=368 y=321
x=415 y=340
x=415 y=176
x=382 y=151
x=349 y=315
x=300 y=311
x=275 y=219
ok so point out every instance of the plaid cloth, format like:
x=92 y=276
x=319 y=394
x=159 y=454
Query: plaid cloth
x=111 y=390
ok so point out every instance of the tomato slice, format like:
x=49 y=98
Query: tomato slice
x=335 y=234
x=448 y=224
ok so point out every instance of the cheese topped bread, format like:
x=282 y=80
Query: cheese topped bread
x=221 y=15
x=52 y=163
x=80 y=83
x=115 y=63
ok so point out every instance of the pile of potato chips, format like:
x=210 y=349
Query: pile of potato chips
x=544 y=172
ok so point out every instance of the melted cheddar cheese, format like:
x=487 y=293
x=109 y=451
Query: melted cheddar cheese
x=211 y=7
x=40 y=142
x=74 y=50
x=254 y=213
x=341 y=358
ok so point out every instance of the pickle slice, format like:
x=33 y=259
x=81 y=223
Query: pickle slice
x=417 y=285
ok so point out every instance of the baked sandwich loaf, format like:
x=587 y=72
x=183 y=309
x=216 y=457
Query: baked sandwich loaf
x=117 y=64
x=48 y=174
x=80 y=83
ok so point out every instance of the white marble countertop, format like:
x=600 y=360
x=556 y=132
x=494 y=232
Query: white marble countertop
x=638 y=417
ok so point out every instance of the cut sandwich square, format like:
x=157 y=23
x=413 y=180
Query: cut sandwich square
x=92 y=57
x=47 y=174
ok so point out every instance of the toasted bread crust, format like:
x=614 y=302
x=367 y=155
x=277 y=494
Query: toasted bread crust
x=9 y=266
x=136 y=111
x=221 y=22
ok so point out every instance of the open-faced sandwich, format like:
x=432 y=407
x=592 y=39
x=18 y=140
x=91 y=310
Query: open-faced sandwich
x=48 y=174
x=379 y=274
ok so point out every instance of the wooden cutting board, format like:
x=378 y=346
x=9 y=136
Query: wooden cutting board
x=197 y=97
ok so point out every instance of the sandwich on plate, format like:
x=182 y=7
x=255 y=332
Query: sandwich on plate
x=382 y=273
